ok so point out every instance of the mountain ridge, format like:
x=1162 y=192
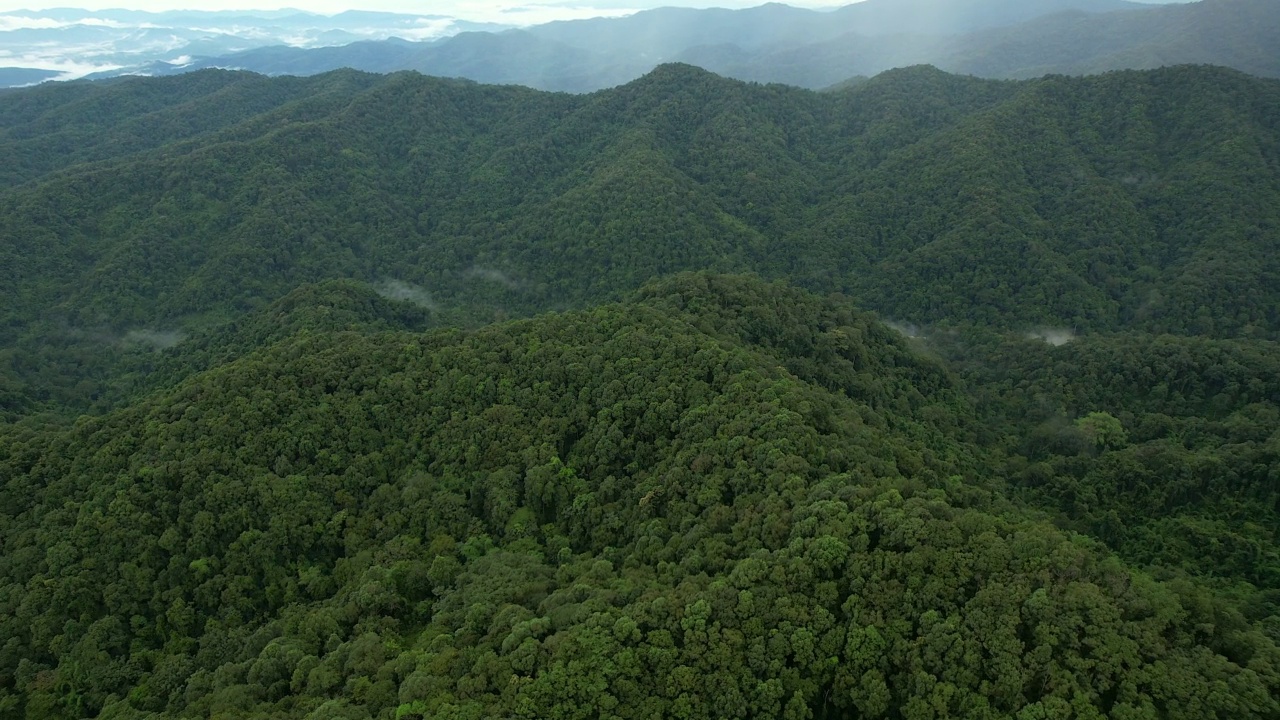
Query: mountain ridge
x=921 y=195
x=778 y=43
x=608 y=480
x=768 y=43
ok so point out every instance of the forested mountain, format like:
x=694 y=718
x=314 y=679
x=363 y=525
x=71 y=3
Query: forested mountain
x=360 y=396
x=1242 y=34
x=1136 y=201
x=60 y=125
x=663 y=33
x=721 y=499
x=778 y=43
x=512 y=57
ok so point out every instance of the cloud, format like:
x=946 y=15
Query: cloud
x=490 y=275
x=12 y=23
x=104 y=22
x=406 y=292
x=910 y=330
x=1054 y=336
x=69 y=69
x=42 y=38
x=158 y=339
x=537 y=14
x=9 y=23
x=425 y=29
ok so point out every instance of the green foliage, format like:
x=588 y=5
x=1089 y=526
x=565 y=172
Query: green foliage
x=291 y=497
x=1102 y=431
x=1179 y=470
x=722 y=498
x=1131 y=200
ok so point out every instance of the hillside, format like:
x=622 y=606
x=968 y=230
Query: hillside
x=59 y=125
x=19 y=76
x=1241 y=34
x=720 y=498
x=1131 y=201
x=361 y=396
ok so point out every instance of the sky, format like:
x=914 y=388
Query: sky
x=506 y=12
x=513 y=12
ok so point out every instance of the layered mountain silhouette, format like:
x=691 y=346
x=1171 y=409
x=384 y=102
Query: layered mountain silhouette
x=778 y=43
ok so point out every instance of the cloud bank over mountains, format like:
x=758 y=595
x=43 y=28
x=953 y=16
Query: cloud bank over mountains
x=580 y=48
x=70 y=43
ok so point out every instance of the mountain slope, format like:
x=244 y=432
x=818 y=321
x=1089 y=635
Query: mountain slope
x=20 y=76
x=722 y=498
x=1241 y=34
x=1164 y=447
x=1048 y=159
x=511 y=57
x=939 y=17
x=1143 y=201
x=58 y=125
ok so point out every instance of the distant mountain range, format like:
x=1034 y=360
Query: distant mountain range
x=1241 y=34
x=769 y=43
x=68 y=43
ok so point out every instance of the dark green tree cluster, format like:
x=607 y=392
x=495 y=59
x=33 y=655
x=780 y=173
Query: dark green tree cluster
x=722 y=498
x=271 y=445
x=1167 y=448
x=1135 y=200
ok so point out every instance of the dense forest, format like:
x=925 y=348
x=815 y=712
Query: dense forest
x=361 y=396
x=137 y=211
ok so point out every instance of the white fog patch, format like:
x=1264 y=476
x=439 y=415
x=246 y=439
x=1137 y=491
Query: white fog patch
x=240 y=31
x=103 y=22
x=426 y=29
x=1139 y=177
x=1054 y=336
x=490 y=275
x=525 y=15
x=158 y=339
x=910 y=330
x=406 y=292
x=75 y=71
x=9 y=23
x=159 y=46
x=300 y=40
x=12 y=23
x=56 y=60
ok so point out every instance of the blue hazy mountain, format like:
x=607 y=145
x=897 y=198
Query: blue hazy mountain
x=769 y=43
x=19 y=76
x=67 y=43
x=1241 y=34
